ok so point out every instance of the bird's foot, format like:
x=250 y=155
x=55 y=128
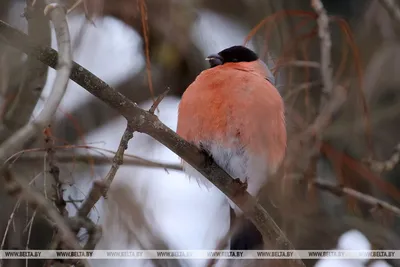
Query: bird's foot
x=241 y=187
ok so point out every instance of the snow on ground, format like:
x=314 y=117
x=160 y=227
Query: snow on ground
x=351 y=240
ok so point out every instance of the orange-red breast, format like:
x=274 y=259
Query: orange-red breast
x=234 y=112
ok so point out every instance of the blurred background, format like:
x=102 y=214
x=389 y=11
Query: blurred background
x=143 y=47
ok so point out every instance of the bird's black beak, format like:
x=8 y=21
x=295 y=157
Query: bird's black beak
x=215 y=60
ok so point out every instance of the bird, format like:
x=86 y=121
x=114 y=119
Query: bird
x=234 y=113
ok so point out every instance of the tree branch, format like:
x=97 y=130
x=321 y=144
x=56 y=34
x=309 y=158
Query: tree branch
x=101 y=189
x=21 y=189
x=326 y=43
x=34 y=74
x=145 y=122
x=386 y=165
x=392 y=8
x=69 y=157
x=17 y=141
x=339 y=191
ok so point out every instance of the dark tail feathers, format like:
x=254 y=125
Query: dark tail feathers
x=247 y=237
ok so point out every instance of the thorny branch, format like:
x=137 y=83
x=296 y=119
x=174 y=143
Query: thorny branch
x=326 y=43
x=145 y=122
x=340 y=191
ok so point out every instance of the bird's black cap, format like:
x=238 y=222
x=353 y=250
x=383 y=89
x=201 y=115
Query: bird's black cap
x=236 y=53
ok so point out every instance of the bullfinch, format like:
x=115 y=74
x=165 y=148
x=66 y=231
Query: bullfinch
x=234 y=113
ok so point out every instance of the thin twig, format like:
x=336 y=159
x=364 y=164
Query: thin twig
x=302 y=63
x=145 y=122
x=75 y=5
x=32 y=154
x=338 y=98
x=29 y=235
x=158 y=101
x=326 y=43
x=392 y=8
x=54 y=170
x=34 y=74
x=387 y=165
x=340 y=191
x=16 y=206
x=17 y=141
x=44 y=177
x=299 y=88
x=21 y=189
x=101 y=189
x=304 y=148
x=102 y=160
x=224 y=241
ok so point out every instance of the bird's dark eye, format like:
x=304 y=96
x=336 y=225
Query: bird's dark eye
x=215 y=60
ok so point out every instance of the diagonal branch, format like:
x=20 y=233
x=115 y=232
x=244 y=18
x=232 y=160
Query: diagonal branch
x=339 y=191
x=101 y=189
x=145 y=122
x=392 y=8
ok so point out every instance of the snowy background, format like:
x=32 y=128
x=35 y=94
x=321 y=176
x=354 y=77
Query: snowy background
x=182 y=215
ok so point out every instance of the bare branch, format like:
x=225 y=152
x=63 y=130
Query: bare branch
x=308 y=142
x=339 y=191
x=54 y=170
x=392 y=8
x=338 y=97
x=101 y=189
x=300 y=88
x=301 y=63
x=75 y=5
x=145 y=122
x=30 y=130
x=101 y=160
x=17 y=141
x=326 y=43
x=22 y=189
x=10 y=219
x=34 y=75
x=387 y=165
x=158 y=101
